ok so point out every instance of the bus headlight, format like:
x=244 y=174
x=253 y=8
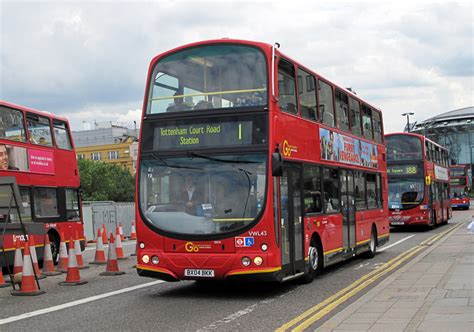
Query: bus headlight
x=145 y=259
x=155 y=260
x=142 y=245
x=246 y=261
x=258 y=260
x=264 y=247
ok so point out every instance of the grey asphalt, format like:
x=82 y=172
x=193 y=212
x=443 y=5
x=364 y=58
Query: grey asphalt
x=434 y=292
x=192 y=306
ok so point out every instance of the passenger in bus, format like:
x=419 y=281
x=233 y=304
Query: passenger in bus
x=328 y=203
x=178 y=104
x=191 y=196
x=5 y=159
x=32 y=137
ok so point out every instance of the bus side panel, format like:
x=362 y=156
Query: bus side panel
x=329 y=227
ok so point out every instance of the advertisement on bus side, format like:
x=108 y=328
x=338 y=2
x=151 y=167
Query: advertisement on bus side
x=345 y=149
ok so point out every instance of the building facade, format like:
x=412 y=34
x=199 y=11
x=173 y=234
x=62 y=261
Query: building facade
x=455 y=131
x=113 y=145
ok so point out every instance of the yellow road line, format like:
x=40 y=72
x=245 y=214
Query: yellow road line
x=323 y=308
x=340 y=293
x=333 y=305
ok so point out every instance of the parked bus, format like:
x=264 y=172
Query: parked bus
x=418 y=180
x=36 y=149
x=253 y=166
x=459 y=187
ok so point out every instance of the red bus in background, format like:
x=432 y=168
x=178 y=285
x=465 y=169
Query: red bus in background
x=251 y=165
x=418 y=180
x=37 y=149
x=459 y=187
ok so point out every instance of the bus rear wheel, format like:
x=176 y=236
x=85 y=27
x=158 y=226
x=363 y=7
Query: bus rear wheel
x=314 y=265
x=372 y=244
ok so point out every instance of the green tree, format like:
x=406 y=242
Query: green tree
x=105 y=182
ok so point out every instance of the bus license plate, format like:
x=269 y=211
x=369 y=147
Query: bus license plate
x=199 y=273
x=397 y=223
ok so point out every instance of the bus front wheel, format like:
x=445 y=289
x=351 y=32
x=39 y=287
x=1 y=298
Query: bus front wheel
x=54 y=239
x=314 y=265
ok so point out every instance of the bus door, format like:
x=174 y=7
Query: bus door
x=348 y=209
x=291 y=221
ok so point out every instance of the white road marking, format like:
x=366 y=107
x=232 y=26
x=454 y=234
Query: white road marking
x=361 y=266
x=75 y=303
x=228 y=319
x=394 y=244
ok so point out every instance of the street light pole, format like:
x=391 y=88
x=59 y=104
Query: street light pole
x=470 y=153
x=408 y=119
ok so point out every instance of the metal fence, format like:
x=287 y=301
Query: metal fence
x=108 y=213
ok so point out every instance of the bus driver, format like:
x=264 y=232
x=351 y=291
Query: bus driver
x=191 y=196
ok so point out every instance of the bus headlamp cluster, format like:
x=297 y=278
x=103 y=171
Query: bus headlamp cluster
x=246 y=261
x=145 y=259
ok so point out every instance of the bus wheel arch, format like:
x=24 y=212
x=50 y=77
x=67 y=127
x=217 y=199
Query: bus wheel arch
x=315 y=261
x=55 y=239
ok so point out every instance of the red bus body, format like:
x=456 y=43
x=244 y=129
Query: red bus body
x=459 y=187
x=293 y=212
x=42 y=159
x=418 y=180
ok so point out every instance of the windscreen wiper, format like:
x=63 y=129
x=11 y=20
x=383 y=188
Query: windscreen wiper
x=157 y=157
x=198 y=155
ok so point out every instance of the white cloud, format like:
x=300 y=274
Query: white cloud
x=89 y=60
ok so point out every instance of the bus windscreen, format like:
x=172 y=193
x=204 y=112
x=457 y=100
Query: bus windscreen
x=403 y=148
x=209 y=77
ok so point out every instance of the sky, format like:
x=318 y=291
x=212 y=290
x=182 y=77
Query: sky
x=88 y=60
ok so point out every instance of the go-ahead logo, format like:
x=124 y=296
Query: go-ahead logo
x=192 y=247
x=288 y=149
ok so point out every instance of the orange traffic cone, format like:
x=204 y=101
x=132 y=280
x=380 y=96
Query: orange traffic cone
x=28 y=286
x=48 y=264
x=104 y=235
x=133 y=232
x=99 y=250
x=80 y=260
x=118 y=245
x=63 y=257
x=18 y=260
x=73 y=277
x=34 y=257
x=121 y=232
x=112 y=263
x=2 y=280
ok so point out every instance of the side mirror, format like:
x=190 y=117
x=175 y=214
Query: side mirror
x=277 y=164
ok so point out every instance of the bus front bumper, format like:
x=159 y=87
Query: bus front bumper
x=253 y=274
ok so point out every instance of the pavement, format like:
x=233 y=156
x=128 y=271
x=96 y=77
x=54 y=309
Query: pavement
x=433 y=292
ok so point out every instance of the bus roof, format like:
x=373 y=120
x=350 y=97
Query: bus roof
x=419 y=136
x=30 y=110
x=267 y=48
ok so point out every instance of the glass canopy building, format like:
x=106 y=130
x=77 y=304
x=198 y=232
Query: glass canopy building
x=454 y=130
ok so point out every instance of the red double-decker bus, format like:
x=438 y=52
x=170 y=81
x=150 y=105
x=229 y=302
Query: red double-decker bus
x=418 y=180
x=459 y=187
x=36 y=148
x=251 y=165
